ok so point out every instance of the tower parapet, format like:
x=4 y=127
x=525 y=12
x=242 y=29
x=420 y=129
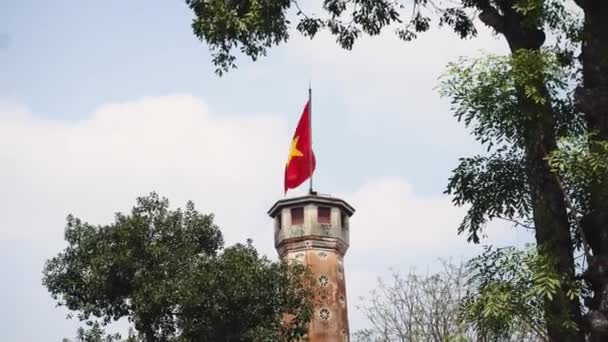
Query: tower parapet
x=314 y=230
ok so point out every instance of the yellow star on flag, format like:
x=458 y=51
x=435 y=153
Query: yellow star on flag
x=293 y=150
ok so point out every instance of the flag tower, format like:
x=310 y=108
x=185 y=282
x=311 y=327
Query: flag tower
x=314 y=229
x=301 y=158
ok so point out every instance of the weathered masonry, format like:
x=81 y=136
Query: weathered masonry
x=314 y=230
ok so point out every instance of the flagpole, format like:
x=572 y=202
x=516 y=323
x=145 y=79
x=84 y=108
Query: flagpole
x=310 y=135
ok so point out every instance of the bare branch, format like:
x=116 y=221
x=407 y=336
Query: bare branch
x=517 y=223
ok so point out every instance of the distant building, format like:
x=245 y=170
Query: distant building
x=314 y=230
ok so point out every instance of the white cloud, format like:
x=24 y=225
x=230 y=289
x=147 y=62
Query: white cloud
x=393 y=216
x=170 y=144
x=230 y=165
x=387 y=83
x=394 y=227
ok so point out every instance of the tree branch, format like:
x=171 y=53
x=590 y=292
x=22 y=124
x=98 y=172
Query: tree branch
x=489 y=15
x=300 y=12
x=517 y=223
x=577 y=222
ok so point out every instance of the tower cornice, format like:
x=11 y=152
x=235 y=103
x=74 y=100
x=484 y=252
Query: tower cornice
x=303 y=243
x=316 y=199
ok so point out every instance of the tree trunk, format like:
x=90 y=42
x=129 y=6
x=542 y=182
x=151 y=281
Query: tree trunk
x=550 y=218
x=548 y=205
x=592 y=100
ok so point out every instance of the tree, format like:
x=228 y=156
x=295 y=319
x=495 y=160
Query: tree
x=592 y=101
x=589 y=221
x=416 y=307
x=97 y=334
x=166 y=271
x=506 y=288
x=453 y=305
x=581 y=164
x=244 y=297
x=253 y=27
x=515 y=182
x=592 y=94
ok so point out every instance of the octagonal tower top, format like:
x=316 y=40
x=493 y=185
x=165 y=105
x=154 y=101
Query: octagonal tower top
x=316 y=221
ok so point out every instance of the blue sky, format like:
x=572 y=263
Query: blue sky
x=104 y=101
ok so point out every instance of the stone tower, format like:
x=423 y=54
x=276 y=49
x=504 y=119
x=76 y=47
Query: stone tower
x=314 y=230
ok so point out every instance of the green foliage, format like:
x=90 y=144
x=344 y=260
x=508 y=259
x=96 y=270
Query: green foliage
x=552 y=14
x=253 y=26
x=581 y=164
x=564 y=25
x=517 y=106
x=509 y=288
x=165 y=271
x=128 y=268
x=533 y=71
x=494 y=186
x=581 y=161
x=96 y=334
x=243 y=297
x=485 y=96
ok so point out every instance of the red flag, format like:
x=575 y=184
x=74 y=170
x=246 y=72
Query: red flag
x=301 y=159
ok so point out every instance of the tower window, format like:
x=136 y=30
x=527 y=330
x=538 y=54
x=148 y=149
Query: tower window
x=324 y=215
x=297 y=216
x=278 y=222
